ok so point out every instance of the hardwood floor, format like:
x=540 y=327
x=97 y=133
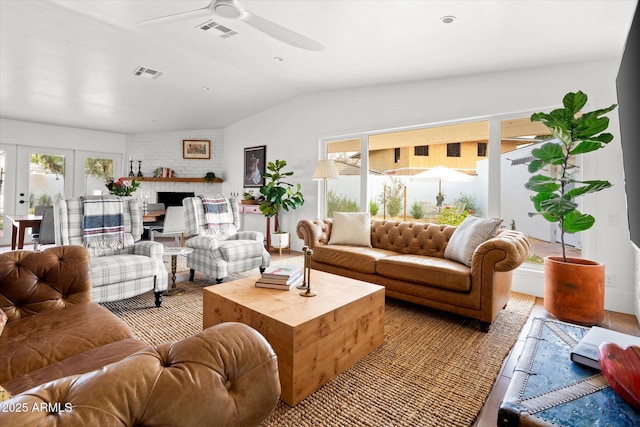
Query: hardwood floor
x=625 y=323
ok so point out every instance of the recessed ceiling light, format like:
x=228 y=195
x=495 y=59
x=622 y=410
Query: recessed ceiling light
x=448 y=19
x=205 y=88
x=278 y=58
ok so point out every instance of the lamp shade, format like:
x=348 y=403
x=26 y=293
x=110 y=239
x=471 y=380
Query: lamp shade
x=325 y=169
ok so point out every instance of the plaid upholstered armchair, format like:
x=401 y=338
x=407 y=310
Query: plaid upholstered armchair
x=110 y=227
x=212 y=224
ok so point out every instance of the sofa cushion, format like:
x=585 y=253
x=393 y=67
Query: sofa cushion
x=470 y=234
x=431 y=271
x=351 y=228
x=121 y=268
x=34 y=342
x=356 y=258
x=88 y=361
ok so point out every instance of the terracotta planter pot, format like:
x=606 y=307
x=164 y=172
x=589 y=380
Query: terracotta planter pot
x=574 y=291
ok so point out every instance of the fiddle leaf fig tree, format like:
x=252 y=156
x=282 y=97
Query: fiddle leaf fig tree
x=574 y=133
x=277 y=192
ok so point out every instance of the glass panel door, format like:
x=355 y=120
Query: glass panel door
x=43 y=176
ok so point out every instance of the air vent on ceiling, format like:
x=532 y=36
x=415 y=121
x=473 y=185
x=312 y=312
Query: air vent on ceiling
x=226 y=32
x=147 y=73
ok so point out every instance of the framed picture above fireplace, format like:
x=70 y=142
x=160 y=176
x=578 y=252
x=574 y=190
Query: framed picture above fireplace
x=196 y=149
x=254 y=163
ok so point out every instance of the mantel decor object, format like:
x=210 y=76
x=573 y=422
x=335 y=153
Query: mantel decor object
x=306 y=281
x=131 y=172
x=196 y=149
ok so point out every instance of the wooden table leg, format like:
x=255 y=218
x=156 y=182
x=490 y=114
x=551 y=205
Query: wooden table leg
x=14 y=232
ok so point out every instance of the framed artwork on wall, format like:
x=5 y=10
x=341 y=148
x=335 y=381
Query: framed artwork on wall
x=196 y=149
x=254 y=162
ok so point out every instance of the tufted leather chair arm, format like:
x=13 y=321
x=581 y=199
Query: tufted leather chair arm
x=314 y=232
x=35 y=282
x=226 y=375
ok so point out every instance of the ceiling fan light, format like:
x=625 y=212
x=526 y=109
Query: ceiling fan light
x=227 y=11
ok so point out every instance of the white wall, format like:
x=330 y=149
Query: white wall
x=164 y=149
x=41 y=135
x=292 y=131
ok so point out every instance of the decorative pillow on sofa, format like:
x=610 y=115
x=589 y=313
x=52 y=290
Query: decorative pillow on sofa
x=351 y=228
x=470 y=234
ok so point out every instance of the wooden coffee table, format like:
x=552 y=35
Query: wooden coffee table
x=316 y=338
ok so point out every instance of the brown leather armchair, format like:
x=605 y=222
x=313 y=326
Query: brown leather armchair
x=68 y=361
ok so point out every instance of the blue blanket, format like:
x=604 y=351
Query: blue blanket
x=103 y=224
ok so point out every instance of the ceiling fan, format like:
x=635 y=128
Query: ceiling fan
x=231 y=9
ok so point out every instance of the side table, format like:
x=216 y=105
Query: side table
x=174 y=251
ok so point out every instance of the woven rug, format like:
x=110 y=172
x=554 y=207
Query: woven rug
x=434 y=368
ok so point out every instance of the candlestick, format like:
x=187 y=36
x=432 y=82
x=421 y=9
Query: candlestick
x=307 y=273
x=131 y=168
x=139 y=166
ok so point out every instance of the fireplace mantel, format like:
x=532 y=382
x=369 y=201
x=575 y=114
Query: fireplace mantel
x=152 y=179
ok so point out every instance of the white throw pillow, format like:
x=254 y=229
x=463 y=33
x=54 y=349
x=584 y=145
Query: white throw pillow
x=351 y=228
x=470 y=234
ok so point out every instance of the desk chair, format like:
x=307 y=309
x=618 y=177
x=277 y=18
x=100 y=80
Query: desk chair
x=45 y=233
x=173 y=225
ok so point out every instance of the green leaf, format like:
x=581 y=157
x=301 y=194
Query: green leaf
x=548 y=152
x=576 y=221
x=587 y=128
x=585 y=147
x=574 y=102
x=591 y=187
x=542 y=184
x=536 y=165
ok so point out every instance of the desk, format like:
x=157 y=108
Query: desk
x=152 y=216
x=20 y=222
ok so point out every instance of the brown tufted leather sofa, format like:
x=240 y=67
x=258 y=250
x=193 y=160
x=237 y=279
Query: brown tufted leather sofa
x=407 y=258
x=68 y=361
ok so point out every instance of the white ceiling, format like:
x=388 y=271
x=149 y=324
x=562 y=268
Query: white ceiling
x=71 y=63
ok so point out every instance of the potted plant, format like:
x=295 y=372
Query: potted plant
x=574 y=287
x=279 y=193
x=248 y=198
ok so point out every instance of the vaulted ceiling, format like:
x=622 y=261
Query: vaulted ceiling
x=72 y=63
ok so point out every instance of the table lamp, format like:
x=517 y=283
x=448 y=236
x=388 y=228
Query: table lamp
x=325 y=169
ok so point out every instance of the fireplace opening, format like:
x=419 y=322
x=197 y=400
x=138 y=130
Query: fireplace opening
x=173 y=198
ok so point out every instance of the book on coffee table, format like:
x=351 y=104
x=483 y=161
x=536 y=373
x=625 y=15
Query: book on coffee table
x=266 y=283
x=281 y=272
x=586 y=351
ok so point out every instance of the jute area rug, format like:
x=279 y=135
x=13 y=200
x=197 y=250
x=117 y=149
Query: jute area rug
x=433 y=369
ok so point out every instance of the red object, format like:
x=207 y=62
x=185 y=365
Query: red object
x=621 y=367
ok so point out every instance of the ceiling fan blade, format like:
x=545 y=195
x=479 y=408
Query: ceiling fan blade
x=280 y=33
x=205 y=11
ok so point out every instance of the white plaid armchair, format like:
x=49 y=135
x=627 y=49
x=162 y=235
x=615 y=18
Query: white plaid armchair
x=116 y=272
x=218 y=247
